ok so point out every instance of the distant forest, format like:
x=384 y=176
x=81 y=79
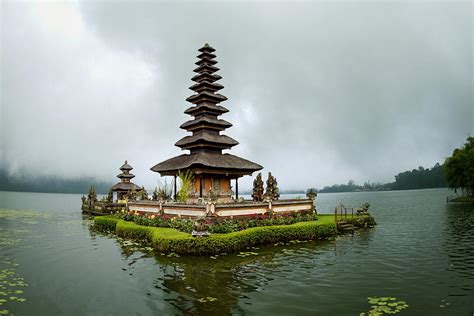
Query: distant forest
x=420 y=178
x=51 y=184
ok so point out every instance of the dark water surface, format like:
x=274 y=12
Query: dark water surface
x=422 y=252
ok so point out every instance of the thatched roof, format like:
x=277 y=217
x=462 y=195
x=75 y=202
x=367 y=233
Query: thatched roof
x=206 y=107
x=200 y=138
x=205 y=122
x=206 y=48
x=122 y=186
x=206 y=96
x=206 y=76
x=207 y=160
x=126 y=166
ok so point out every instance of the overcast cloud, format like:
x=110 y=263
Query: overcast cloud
x=319 y=93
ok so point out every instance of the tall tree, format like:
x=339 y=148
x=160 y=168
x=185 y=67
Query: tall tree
x=459 y=168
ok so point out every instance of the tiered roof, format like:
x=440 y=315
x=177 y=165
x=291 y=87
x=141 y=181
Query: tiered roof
x=125 y=177
x=206 y=142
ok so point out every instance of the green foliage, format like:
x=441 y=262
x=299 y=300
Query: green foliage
x=106 y=223
x=219 y=226
x=384 y=306
x=162 y=192
x=459 y=168
x=186 y=179
x=169 y=240
x=233 y=225
x=257 y=192
x=420 y=178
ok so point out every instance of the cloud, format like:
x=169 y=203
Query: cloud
x=319 y=92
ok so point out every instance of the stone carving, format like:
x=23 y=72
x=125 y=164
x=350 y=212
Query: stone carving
x=363 y=209
x=200 y=228
x=257 y=193
x=311 y=193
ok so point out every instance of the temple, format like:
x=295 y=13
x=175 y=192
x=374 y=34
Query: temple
x=213 y=170
x=121 y=189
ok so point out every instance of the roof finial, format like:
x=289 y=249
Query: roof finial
x=206 y=45
x=126 y=162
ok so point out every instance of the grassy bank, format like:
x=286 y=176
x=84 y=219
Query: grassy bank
x=171 y=240
x=468 y=199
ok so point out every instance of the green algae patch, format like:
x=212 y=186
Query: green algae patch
x=384 y=306
x=11 y=286
x=170 y=240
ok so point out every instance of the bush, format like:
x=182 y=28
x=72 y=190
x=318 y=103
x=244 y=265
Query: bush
x=170 y=240
x=105 y=223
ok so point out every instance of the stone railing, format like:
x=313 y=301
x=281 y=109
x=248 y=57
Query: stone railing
x=237 y=209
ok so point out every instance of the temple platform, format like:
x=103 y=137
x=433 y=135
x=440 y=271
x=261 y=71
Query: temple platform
x=245 y=208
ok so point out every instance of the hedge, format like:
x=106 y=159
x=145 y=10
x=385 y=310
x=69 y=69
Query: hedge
x=170 y=240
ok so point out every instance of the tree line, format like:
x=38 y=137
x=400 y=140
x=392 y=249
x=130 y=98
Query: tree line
x=420 y=178
x=50 y=184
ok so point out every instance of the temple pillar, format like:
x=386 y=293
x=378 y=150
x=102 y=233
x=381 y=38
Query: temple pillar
x=200 y=185
x=175 y=193
x=236 y=188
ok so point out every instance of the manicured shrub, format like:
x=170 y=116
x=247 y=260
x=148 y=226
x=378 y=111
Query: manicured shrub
x=170 y=240
x=105 y=223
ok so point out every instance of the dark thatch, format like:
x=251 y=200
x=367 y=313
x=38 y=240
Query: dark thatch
x=125 y=187
x=206 y=107
x=126 y=166
x=207 y=138
x=206 y=122
x=206 y=48
x=206 y=76
x=206 y=85
x=207 y=160
x=206 y=96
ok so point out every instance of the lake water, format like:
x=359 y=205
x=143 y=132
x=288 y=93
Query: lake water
x=421 y=252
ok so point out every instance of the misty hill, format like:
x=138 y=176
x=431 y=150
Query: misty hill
x=51 y=184
x=420 y=178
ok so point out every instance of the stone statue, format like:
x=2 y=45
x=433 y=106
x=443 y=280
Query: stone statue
x=312 y=193
x=200 y=228
x=257 y=193
x=363 y=209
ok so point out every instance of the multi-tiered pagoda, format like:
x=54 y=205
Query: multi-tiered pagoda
x=212 y=169
x=121 y=189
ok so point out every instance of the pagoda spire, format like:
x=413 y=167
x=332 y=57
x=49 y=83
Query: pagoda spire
x=126 y=176
x=206 y=124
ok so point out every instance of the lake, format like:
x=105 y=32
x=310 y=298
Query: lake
x=421 y=252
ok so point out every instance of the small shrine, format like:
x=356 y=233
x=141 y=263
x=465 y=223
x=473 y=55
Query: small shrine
x=212 y=169
x=125 y=186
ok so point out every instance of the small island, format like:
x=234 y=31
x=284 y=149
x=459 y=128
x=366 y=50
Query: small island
x=206 y=215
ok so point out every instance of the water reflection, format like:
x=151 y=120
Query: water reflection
x=459 y=244
x=201 y=285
